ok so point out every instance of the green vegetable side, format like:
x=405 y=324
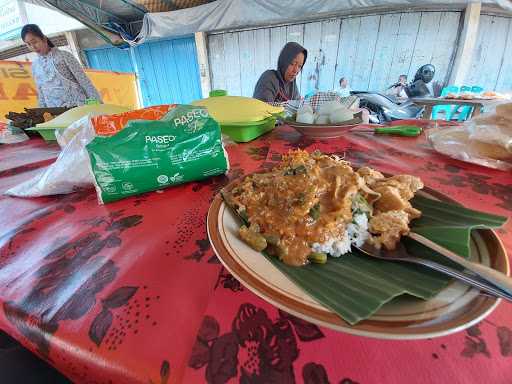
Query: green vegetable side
x=185 y=145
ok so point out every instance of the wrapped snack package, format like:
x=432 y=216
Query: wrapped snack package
x=485 y=140
x=108 y=125
x=185 y=145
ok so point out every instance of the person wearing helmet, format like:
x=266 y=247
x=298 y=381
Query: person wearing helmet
x=423 y=76
x=425 y=73
x=276 y=86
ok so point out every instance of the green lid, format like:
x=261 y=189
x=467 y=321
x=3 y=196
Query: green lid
x=218 y=92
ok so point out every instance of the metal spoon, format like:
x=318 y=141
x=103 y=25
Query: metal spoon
x=496 y=278
x=401 y=254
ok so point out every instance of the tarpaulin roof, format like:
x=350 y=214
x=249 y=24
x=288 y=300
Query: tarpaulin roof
x=232 y=14
x=115 y=20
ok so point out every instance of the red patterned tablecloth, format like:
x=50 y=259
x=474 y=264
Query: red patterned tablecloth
x=132 y=292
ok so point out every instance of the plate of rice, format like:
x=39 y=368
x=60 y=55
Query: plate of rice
x=308 y=214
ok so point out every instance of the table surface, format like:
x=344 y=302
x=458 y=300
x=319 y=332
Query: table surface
x=132 y=292
x=430 y=102
x=442 y=100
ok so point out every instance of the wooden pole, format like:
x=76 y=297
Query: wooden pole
x=467 y=41
x=202 y=61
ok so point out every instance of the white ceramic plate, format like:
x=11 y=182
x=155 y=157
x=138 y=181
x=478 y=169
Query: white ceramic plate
x=325 y=131
x=455 y=308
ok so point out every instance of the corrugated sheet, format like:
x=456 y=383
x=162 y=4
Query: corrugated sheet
x=169 y=5
x=371 y=51
x=110 y=59
x=167 y=70
x=58 y=41
x=491 y=66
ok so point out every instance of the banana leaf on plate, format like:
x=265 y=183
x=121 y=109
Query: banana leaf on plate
x=355 y=286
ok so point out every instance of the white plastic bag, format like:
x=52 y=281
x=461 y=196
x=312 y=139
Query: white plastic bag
x=65 y=136
x=71 y=169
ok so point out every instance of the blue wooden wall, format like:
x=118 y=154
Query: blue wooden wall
x=167 y=70
x=110 y=59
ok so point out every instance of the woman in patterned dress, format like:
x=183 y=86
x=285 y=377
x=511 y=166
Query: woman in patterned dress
x=60 y=79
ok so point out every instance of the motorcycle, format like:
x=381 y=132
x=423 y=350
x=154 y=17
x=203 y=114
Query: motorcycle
x=385 y=108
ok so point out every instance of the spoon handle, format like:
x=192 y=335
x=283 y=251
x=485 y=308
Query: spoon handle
x=471 y=280
x=494 y=277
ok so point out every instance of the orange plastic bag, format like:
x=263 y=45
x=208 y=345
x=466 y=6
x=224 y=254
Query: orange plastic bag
x=108 y=125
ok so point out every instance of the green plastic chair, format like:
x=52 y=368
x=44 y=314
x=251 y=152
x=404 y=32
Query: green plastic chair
x=447 y=110
x=466 y=110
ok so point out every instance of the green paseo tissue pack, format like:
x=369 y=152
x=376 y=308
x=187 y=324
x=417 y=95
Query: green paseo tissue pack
x=185 y=145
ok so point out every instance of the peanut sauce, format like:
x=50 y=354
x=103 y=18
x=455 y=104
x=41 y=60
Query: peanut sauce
x=306 y=199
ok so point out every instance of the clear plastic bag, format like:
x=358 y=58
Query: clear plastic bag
x=71 y=169
x=485 y=140
x=10 y=134
x=64 y=137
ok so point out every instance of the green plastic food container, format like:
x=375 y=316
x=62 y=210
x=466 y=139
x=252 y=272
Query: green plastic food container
x=244 y=132
x=218 y=92
x=48 y=134
x=241 y=118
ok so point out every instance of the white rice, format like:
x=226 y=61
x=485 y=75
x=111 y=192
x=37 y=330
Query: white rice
x=356 y=234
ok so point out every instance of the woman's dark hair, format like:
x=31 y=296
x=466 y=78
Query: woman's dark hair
x=36 y=31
